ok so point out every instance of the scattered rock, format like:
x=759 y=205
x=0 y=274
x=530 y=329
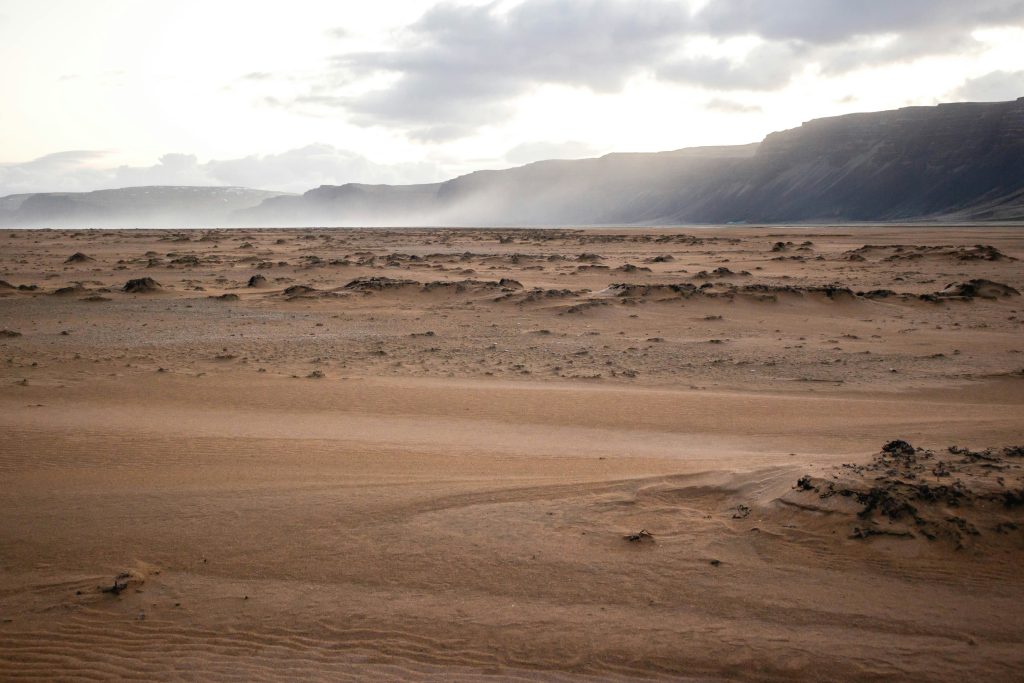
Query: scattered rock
x=122 y=581
x=742 y=512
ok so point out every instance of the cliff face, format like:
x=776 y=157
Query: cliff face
x=958 y=161
x=962 y=161
x=909 y=163
x=617 y=188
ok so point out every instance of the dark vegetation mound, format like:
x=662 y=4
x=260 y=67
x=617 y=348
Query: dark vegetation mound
x=78 y=257
x=70 y=290
x=958 y=497
x=378 y=284
x=142 y=285
x=719 y=272
x=716 y=286
x=368 y=285
x=983 y=289
x=299 y=290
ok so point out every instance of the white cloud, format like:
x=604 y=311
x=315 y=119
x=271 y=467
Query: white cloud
x=768 y=66
x=461 y=68
x=538 y=151
x=427 y=89
x=727 y=106
x=997 y=86
x=295 y=170
x=837 y=21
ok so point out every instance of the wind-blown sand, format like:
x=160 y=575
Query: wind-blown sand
x=327 y=475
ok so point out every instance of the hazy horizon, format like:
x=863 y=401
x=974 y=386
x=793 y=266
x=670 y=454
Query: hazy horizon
x=123 y=94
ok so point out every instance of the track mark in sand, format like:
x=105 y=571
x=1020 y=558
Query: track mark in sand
x=642 y=488
x=148 y=651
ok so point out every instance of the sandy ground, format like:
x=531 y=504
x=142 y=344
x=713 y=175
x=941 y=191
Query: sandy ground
x=437 y=475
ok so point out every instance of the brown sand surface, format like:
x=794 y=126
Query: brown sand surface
x=436 y=476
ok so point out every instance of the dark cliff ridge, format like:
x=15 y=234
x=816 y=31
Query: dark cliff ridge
x=962 y=161
x=903 y=164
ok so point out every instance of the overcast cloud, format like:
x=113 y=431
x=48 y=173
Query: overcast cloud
x=767 y=67
x=407 y=91
x=997 y=86
x=460 y=67
x=836 y=21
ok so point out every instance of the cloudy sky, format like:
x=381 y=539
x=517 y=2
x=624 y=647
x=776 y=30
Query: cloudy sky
x=291 y=95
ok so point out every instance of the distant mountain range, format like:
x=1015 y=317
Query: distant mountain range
x=962 y=161
x=158 y=205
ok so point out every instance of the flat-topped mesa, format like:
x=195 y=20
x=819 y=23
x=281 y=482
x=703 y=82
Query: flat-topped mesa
x=946 y=130
x=964 y=159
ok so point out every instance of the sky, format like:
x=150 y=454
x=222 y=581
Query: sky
x=293 y=95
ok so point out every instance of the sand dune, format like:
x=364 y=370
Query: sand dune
x=436 y=476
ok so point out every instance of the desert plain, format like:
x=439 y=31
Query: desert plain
x=711 y=454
